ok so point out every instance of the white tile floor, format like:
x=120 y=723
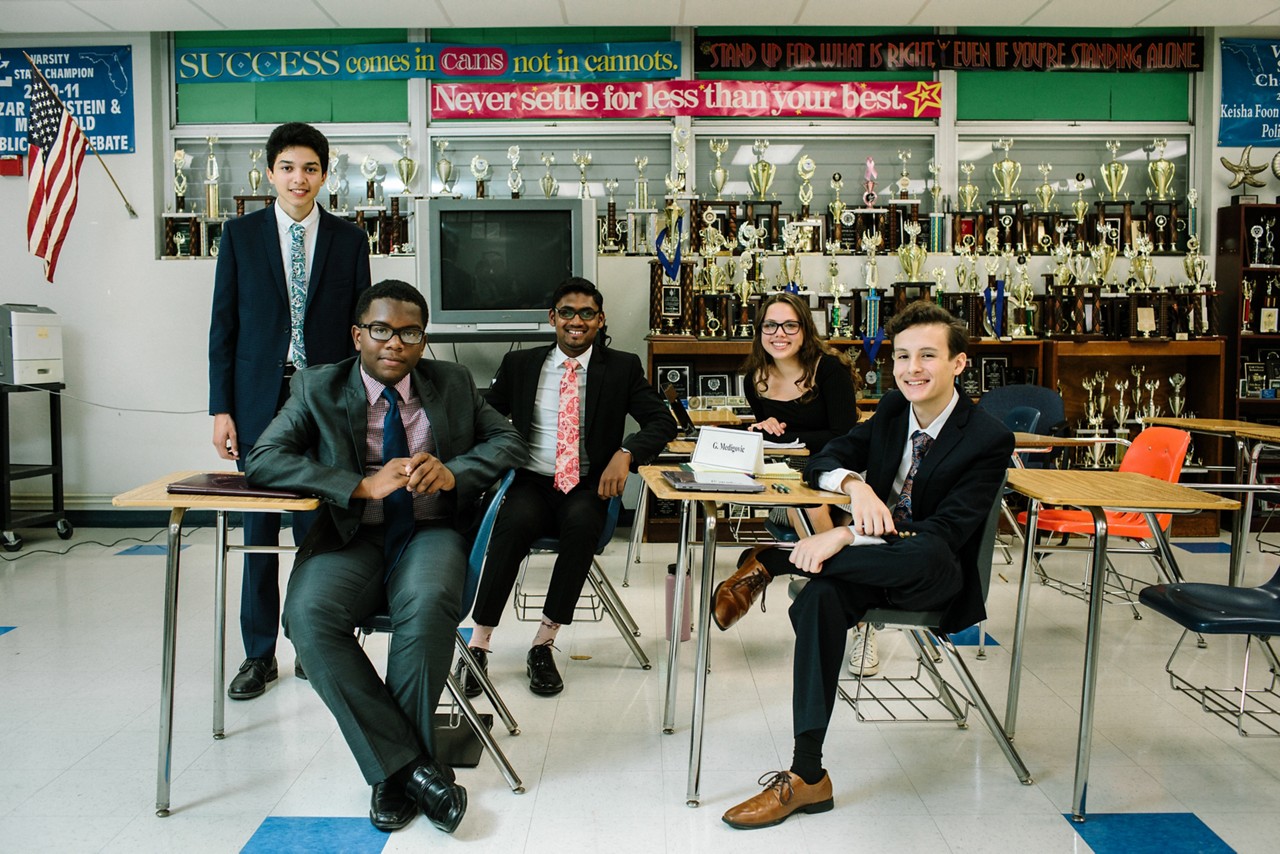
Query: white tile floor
x=79 y=686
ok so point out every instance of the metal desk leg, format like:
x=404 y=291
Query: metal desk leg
x=700 y=665
x=220 y=624
x=1084 y=742
x=164 y=761
x=637 y=535
x=1240 y=530
x=1020 y=621
x=687 y=511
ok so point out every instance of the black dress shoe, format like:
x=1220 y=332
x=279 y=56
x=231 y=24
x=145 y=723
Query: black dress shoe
x=390 y=808
x=442 y=801
x=470 y=684
x=298 y=671
x=252 y=679
x=543 y=677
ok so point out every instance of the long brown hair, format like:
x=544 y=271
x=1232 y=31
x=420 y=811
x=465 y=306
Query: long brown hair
x=812 y=348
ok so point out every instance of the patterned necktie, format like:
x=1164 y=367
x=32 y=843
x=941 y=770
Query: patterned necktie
x=397 y=507
x=568 y=429
x=297 y=293
x=920 y=442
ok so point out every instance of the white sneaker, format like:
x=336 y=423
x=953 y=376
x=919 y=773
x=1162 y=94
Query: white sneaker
x=864 y=659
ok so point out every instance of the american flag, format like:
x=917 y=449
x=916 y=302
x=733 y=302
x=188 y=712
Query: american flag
x=55 y=150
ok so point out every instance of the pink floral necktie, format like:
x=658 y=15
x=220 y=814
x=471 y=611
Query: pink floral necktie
x=568 y=429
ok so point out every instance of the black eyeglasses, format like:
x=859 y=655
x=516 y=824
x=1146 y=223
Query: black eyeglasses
x=789 y=327
x=409 y=335
x=566 y=313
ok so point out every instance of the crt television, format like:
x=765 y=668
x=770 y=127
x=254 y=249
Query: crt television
x=491 y=265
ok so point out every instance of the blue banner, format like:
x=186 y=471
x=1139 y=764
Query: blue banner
x=1250 y=104
x=96 y=84
x=480 y=63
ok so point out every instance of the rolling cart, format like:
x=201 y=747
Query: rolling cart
x=10 y=471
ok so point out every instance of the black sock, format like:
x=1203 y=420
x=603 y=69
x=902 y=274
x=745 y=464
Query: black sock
x=401 y=778
x=806 y=762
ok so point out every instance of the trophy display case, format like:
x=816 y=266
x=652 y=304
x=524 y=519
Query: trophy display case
x=1248 y=276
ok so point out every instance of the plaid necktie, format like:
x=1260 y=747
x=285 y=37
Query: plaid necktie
x=920 y=442
x=568 y=429
x=397 y=507
x=297 y=293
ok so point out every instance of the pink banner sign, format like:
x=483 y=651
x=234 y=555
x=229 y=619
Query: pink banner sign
x=663 y=99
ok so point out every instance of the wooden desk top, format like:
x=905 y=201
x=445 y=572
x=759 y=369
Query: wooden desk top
x=1268 y=433
x=717 y=417
x=154 y=494
x=1037 y=441
x=1113 y=489
x=686 y=446
x=799 y=494
x=1219 y=426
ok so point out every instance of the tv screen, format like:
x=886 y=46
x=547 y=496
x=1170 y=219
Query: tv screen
x=490 y=266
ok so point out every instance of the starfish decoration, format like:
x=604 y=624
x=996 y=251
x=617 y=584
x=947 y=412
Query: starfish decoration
x=1244 y=171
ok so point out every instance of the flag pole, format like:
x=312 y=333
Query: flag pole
x=132 y=213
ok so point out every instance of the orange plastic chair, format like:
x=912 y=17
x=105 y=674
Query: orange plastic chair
x=1157 y=452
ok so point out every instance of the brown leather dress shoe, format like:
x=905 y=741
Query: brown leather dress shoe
x=784 y=793
x=736 y=594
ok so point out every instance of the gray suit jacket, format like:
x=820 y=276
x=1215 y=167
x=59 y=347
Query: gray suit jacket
x=316 y=444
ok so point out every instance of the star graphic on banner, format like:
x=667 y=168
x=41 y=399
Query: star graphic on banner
x=1243 y=172
x=924 y=96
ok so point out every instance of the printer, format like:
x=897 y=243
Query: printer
x=31 y=352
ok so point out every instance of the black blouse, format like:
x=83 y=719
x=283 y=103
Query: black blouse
x=831 y=412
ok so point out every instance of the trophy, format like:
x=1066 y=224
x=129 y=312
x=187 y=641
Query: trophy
x=904 y=180
x=1044 y=193
x=1193 y=263
x=613 y=229
x=869 y=176
x=1193 y=198
x=481 y=171
x=1121 y=410
x=1114 y=172
x=911 y=255
x=180 y=179
x=680 y=136
x=255 y=174
x=1006 y=171
x=444 y=168
x=515 y=181
x=1161 y=171
x=582 y=159
x=180 y=242
x=968 y=191
x=805 y=169
x=550 y=186
x=762 y=171
x=406 y=166
x=333 y=182
x=719 y=175
x=1176 y=401
x=835 y=205
x=211 y=173
x=935 y=189
x=1080 y=207
x=642 y=185
x=369 y=171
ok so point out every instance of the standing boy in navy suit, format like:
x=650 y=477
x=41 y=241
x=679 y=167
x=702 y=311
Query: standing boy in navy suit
x=284 y=297
x=930 y=462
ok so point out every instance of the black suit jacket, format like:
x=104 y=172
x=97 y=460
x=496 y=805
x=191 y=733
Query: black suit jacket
x=249 y=326
x=616 y=387
x=954 y=489
x=317 y=444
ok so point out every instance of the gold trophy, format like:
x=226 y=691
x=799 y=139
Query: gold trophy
x=911 y=255
x=719 y=175
x=1104 y=253
x=444 y=168
x=968 y=191
x=1006 y=171
x=1044 y=193
x=582 y=159
x=406 y=166
x=515 y=181
x=806 y=168
x=1114 y=172
x=1080 y=207
x=1161 y=171
x=211 y=173
x=1193 y=263
x=935 y=188
x=762 y=171
x=255 y=174
x=904 y=180
x=550 y=186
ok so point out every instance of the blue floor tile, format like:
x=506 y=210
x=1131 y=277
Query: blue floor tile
x=1159 y=833
x=286 y=834
x=4 y=629
x=1205 y=548
x=148 y=549
x=969 y=637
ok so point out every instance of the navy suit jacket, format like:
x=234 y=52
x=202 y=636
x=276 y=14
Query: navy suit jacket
x=616 y=387
x=954 y=489
x=249 y=326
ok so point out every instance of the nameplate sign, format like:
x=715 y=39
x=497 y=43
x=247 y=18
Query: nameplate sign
x=735 y=450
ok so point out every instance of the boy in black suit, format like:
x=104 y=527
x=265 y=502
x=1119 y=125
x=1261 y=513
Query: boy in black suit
x=933 y=464
x=570 y=402
x=284 y=297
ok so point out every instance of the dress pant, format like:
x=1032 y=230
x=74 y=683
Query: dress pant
x=386 y=724
x=534 y=508
x=913 y=573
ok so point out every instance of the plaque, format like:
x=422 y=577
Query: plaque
x=971 y=381
x=714 y=385
x=676 y=376
x=994 y=371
